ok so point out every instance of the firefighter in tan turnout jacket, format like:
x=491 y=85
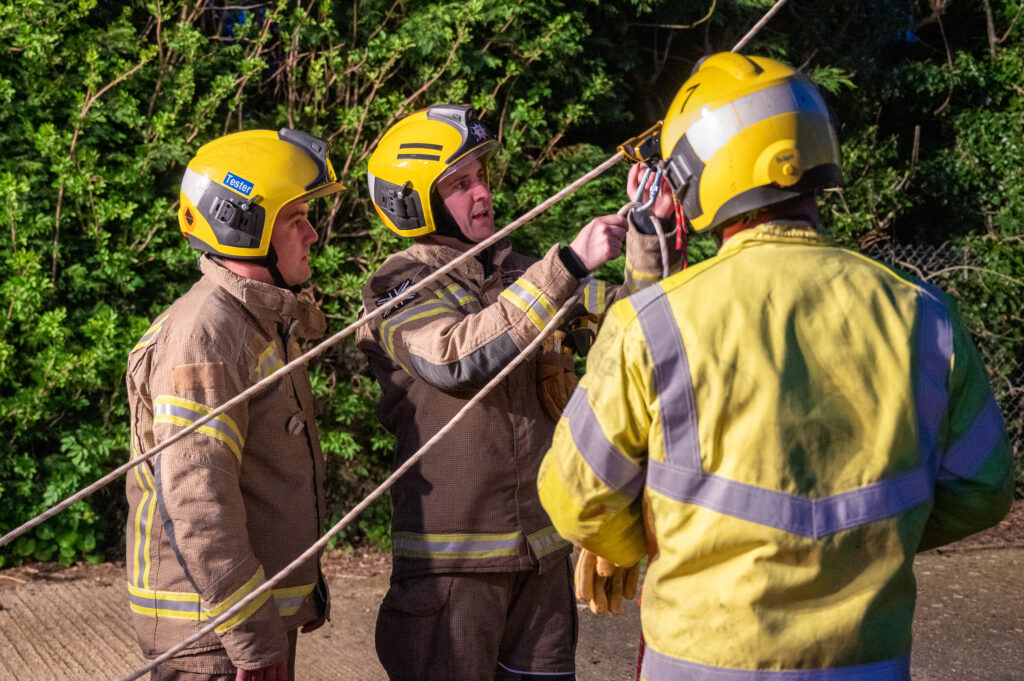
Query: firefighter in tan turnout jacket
x=481 y=584
x=217 y=513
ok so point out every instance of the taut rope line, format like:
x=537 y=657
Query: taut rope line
x=314 y=352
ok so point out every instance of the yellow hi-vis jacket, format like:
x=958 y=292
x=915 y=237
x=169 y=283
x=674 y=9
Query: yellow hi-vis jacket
x=802 y=420
x=216 y=514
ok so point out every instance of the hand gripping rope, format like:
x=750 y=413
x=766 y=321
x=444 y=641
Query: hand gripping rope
x=361 y=506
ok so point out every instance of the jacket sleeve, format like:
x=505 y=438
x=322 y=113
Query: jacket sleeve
x=643 y=268
x=591 y=481
x=974 y=483
x=200 y=501
x=432 y=338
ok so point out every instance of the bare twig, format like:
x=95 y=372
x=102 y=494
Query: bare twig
x=682 y=27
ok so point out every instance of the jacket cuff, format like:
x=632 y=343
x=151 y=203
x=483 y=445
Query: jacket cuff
x=256 y=635
x=572 y=262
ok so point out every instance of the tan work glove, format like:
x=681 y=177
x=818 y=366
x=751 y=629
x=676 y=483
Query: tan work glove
x=602 y=584
x=556 y=376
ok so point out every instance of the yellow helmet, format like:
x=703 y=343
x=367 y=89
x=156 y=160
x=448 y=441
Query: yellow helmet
x=416 y=153
x=235 y=186
x=744 y=133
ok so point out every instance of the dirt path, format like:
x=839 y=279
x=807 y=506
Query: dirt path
x=72 y=625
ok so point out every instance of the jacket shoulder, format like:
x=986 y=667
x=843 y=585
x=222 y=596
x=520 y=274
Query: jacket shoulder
x=396 y=270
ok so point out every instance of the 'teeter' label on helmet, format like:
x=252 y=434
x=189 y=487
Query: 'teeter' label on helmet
x=238 y=184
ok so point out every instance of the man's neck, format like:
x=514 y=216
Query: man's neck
x=247 y=269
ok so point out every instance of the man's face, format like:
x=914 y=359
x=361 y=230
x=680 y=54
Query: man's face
x=291 y=239
x=466 y=195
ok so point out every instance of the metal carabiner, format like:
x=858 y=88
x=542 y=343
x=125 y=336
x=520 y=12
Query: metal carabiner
x=655 y=189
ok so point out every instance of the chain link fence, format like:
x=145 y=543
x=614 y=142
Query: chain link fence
x=955 y=269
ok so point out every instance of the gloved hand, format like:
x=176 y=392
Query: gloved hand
x=602 y=584
x=556 y=377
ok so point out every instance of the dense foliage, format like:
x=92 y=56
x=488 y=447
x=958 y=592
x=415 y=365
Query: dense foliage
x=103 y=103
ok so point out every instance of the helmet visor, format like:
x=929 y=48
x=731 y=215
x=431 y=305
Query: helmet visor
x=482 y=153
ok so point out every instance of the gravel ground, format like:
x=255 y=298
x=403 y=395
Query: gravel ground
x=72 y=624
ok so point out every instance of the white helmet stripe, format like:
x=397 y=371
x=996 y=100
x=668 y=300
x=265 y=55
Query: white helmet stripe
x=714 y=128
x=194 y=185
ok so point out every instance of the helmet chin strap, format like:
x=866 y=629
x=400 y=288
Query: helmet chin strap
x=270 y=262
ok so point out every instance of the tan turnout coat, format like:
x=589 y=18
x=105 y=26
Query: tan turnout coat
x=471 y=503
x=217 y=513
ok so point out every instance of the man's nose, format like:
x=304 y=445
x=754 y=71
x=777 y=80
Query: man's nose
x=310 y=236
x=481 y=191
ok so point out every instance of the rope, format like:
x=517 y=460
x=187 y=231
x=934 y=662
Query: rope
x=351 y=515
x=758 y=26
x=314 y=352
x=322 y=347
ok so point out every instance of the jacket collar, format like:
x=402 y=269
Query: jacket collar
x=268 y=303
x=437 y=255
x=777 y=232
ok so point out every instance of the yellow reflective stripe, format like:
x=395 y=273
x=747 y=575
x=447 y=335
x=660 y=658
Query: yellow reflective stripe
x=449 y=546
x=642 y=279
x=187 y=605
x=546 y=541
x=240 y=593
x=179 y=412
x=594 y=297
x=530 y=300
x=423 y=311
x=268 y=361
x=290 y=599
x=151 y=333
x=454 y=294
x=538 y=294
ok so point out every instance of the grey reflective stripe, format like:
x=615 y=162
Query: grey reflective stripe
x=472 y=371
x=671 y=377
x=518 y=675
x=965 y=457
x=142 y=538
x=659 y=667
x=609 y=464
x=168 y=522
x=715 y=127
x=165 y=604
x=934 y=352
x=455 y=546
x=681 y=476
x=814 y=518
x=546 y=541
x=191 y=415
x=429 y=308
x=532 y=302
x=290 y=602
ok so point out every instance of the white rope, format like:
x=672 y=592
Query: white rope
x=315 y=352
x=758 y=26
x=351 y=515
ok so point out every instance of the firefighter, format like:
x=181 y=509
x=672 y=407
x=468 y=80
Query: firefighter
x=216 y=514
x=480 y=584
x=800 y=419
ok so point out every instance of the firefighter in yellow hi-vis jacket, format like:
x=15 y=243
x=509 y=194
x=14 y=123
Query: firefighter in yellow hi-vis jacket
x=801 y=420
x=480 y=586
x=217 y=513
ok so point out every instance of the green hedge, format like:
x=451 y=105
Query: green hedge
x=103 y=103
